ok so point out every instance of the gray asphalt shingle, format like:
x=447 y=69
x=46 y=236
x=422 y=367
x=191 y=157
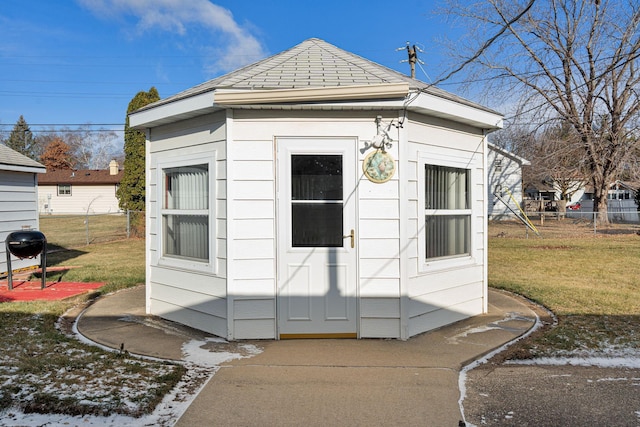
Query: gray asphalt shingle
x=312 y=63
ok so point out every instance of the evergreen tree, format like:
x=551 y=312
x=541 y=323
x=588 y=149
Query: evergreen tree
x=131 y=192
x=21 y=139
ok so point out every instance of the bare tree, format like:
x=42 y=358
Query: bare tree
x=559 y=161
x=90 y=148
x=572 y=61
x=95 y=149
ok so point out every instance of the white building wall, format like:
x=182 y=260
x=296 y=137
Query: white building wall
x=18 y=210
x=444 y=291
x=94 y=199
x=252 y=283
x=197 y=299
x=238 y=300
x=508 y=176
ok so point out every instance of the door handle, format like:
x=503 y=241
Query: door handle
x=353 y=238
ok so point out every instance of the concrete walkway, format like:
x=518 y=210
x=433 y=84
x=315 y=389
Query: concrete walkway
x=320 y=382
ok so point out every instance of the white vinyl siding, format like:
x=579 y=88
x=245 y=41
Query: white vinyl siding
x=18 y=210
x=188 y=291
x=445 y=289
x=84 y=199
x=400 y=294
x=504 y=178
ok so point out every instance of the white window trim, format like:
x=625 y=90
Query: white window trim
x=63 y=194
x=208 y=158
x=444 y=263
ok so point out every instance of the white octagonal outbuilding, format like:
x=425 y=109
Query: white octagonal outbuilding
x=316 y=194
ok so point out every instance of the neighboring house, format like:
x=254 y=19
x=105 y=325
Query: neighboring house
x=18 y=201
x=621 y=204
x=80 y=191
x=270 y=215
x=505 y=180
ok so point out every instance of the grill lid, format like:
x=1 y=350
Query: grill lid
x=26 y=244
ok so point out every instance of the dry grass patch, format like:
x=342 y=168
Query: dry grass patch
x=44 y=369
x=591 y=282
x=80 y=230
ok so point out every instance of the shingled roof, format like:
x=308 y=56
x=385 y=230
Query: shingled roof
x=81 y=177
x=314 y=63
x=12 y=160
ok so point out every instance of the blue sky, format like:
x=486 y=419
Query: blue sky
x=81 y=61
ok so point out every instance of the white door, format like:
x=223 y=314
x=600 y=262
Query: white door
x=317 y=238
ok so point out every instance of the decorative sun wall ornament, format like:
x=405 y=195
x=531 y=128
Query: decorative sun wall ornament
x=379 y=166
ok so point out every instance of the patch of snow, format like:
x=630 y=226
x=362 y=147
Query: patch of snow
x=201 y=358
x=600 y=362
x=489 y=327
x=462 y=378
x=199 y=353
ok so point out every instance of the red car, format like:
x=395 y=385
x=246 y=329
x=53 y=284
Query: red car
x=574 y=207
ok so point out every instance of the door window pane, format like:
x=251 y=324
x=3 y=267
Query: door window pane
x=316 y=201
x=317 y=225
x=316 y=177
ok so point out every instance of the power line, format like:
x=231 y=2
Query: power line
x=68 y=124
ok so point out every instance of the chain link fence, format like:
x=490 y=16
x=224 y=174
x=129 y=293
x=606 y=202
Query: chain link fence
x=80 y=230
x=569 y=224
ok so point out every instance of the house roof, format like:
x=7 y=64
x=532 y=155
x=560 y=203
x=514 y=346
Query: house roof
x=313 y=73
x=81 y=177
x=627 y=185
x=11 y=160
x=520 y=160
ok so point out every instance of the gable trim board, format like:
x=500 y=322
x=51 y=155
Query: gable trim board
x=396 y=296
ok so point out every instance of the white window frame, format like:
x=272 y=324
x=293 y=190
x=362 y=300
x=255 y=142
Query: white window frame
x=64 y=194
x=428 y=265
x=207 y=266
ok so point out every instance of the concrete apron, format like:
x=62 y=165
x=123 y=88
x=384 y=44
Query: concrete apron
x=357 y=382
x=119 y=321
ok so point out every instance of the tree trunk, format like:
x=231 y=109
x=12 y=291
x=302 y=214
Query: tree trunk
x=600 y=204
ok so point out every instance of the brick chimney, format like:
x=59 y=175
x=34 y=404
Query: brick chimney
x=113 y=168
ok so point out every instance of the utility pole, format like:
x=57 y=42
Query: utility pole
x=412 y=52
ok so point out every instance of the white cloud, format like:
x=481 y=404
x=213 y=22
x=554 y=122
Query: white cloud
x=235 y=48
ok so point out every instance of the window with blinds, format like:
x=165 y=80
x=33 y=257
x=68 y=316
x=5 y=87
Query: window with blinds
x=185 y=212
x=447 y=211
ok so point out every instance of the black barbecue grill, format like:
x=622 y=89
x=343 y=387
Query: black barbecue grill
x=26 y=244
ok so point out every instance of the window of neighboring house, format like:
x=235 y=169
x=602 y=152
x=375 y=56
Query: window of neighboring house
x=447 y=212
x=186 y=212
x=64 y=189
